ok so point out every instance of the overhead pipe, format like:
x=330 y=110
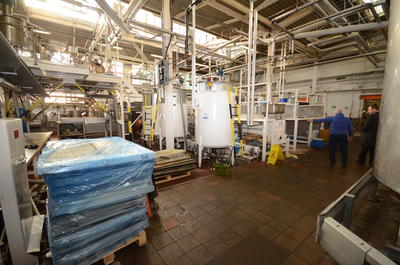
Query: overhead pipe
x=330 y=40
x=224 y=45
x=360 y=41
x=345 y=29
x=290 y=12
x=338 y=47
x=265 y=4
x=129 y=12
x=308 y=63
x=319 y=22
x=121 y=24
x=355 y=36
x=187 y=14
x=113 y=15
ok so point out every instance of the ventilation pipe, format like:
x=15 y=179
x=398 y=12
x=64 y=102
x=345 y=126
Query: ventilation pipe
x=121 y=24
x=352 y=28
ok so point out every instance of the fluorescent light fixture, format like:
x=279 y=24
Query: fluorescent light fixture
x=156 y=56
x=41 y=31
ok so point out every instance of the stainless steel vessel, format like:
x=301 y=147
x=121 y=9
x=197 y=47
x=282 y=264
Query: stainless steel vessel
x=387 y=156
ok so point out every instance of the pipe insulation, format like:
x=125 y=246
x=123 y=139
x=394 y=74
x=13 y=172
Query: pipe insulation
x=339 y=30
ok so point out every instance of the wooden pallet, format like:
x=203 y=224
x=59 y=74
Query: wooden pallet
x=140 y=238
x=166 y=178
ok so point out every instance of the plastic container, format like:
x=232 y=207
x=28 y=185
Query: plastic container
x=222 y=170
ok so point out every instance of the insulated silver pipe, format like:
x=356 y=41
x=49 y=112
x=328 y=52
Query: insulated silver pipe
x=249 y=59
x=253 y=67
x=113 y=15
x=331 y=40
x=352 y=28
x=320 y=22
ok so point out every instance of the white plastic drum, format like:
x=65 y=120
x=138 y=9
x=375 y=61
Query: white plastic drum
x=213 y=128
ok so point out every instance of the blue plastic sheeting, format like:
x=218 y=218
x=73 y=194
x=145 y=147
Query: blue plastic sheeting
x=83 y=237
x=80 y=154
x=67 y=224
x=98 y=249
x=100 y=199
x=85 y=174
x=96 y=195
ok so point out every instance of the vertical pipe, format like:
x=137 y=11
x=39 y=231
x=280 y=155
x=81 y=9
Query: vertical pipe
x=264 y=140
x=122 y=120
x=249 y=60
x=253 y=61
x=240 y=86
x=314 y=80
x=168 y=54
x=284 y=66
x=194 y=86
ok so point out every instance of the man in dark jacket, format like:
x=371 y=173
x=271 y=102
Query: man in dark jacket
x=368 y=135
x=340 y=132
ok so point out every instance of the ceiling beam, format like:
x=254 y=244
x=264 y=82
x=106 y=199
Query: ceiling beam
x=232 y=13
x=226 y=22
x=266 y=21
x=245 y=9
x=296 y=16
x=204 y=3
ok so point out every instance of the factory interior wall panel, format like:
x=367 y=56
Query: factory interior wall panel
x=348 y=101
x=346 y=67
x=350 y=75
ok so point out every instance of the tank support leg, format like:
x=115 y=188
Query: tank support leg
x=200 y=152
x=233 y=156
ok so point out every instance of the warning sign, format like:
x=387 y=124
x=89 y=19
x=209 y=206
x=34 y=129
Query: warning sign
x=275 y=154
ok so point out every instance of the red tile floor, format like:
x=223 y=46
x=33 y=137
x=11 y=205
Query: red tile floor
x=200 y=221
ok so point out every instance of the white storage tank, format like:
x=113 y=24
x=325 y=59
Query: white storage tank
x=213 y=127
x=179 y=125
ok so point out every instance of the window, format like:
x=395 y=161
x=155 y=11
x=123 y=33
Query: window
x=66 y=9
x=378 y=9
x=117 y=68
x=61 y=58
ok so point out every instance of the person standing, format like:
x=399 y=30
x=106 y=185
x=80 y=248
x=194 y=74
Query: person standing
x=340 y=133
x=368 y=135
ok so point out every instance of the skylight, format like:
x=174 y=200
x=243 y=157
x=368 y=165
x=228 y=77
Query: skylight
x=378 y=9
x=84 y=10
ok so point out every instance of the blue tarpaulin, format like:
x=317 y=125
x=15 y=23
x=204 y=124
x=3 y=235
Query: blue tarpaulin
x=96 y=195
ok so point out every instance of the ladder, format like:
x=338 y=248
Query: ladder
x=150 y=115
x=238 y=124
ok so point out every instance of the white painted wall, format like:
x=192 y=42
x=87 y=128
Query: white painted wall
x=348 y=101
x=343 y=81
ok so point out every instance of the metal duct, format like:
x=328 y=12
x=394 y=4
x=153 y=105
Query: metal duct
x=121 y=24
x=387 y=156
x=113 y=15
x=352 y=28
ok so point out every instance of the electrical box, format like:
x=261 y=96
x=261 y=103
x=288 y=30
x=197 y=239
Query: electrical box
x=163 y=72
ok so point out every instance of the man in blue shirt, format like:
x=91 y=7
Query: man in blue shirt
x=340 y=132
